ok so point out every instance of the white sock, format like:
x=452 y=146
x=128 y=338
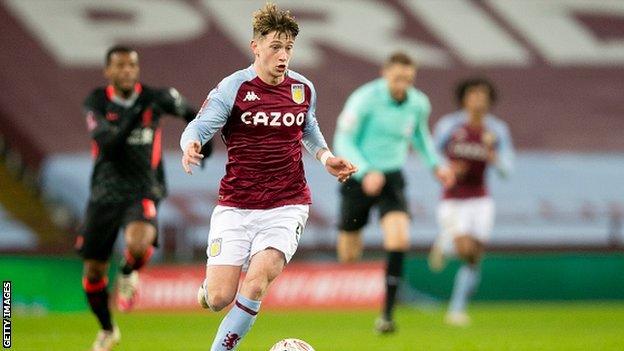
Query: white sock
x=236 y=324
x=466 y=280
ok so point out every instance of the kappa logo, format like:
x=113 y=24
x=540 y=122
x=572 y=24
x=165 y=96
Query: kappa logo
x=251 y=96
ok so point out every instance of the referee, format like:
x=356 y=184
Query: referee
x=379 y=121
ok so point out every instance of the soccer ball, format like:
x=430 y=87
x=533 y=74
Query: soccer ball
x=291 y=345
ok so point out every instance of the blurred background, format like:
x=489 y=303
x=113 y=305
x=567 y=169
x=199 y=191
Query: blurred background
x=558 y=66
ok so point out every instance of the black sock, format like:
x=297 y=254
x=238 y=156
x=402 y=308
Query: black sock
x=97 y=295
x=394 y=271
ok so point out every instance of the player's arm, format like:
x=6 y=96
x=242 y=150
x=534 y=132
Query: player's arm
x=314 y=142
x=443 y=131
x=211 y=117
x=173 y=103
x=423 y=143
x=109 y=136
x=348 y=127
x=505 y=154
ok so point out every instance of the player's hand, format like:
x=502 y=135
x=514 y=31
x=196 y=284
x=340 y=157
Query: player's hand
x=192 y=156
x=340 y=168
x=492 y=157
x=373 y=183
x=445 y=176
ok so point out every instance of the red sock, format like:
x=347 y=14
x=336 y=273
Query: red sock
x=132 y=263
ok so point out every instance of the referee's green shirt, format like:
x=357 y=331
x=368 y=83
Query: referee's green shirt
x=374 y=130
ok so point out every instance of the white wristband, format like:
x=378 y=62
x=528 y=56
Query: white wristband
x=325 y=156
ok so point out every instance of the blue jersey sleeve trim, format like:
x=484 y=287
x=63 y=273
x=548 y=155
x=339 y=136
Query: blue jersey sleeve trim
x=445 y=127
x=216 y=109
x=313 y=140
x=504 y=146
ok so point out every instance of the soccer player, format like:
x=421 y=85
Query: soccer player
x=266 y=112
x=127 y=181
x=472 y=139
x=379 y=121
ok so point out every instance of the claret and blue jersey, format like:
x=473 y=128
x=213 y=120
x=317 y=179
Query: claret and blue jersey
x=263 y=128
x=467 y=149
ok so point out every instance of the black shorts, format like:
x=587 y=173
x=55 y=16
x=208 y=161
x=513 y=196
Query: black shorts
x=355 y=206
x=103 y=222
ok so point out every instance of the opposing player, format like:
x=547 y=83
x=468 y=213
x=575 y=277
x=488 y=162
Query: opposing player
x=378 y=123
x=266 y=112
x=127 y=181
x=472 y=139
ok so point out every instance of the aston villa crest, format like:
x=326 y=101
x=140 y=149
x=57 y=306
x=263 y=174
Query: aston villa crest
x=298 y=93
x=215 y=247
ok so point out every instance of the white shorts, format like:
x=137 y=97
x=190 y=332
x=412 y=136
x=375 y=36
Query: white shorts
x=474 y=217
x=238 y=234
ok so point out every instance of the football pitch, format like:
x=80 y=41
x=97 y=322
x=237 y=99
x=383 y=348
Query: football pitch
x=496 y=326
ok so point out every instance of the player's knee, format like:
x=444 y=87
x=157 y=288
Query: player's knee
x=218 y=300
x=397 y=245
x=465 y=254
x=470 y=259
x=255 y=288
x=139 y=237
x=471 y=255
x=94 y=272
x=349 y=258
x=349 y=254
x=138 y=250
x=94 y=276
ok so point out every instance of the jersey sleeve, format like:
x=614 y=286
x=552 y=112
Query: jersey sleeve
x=422 y=139
x=173 y=103
x=443 y=131
x=213 y=115
x=505 y=150
x=349 y=126
x=108 y=136
x=313 y=140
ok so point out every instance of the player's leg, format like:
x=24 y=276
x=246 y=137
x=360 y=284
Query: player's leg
x=95 y=246
x=354 y=210
x=395 y=227
x=349 y=246
x=443 y=246
x=219 y=287
x=227 y=251
x=140 y=235
x=94 y=282
x=470 y=248
x=275 y=237
x=467 y=279
x=264 y=267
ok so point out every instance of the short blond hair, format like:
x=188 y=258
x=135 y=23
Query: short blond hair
x=401 y=58
x=270 y=18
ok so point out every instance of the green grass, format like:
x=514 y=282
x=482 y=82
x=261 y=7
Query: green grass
x=496 y=326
